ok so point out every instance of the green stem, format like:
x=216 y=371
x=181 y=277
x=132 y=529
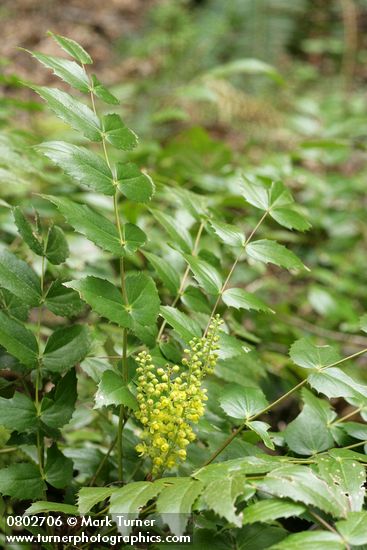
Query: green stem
x=124 y=363
x=224 y=286
x=40 y=441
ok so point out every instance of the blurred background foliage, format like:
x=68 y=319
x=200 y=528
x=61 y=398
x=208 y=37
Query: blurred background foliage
x=217 y=89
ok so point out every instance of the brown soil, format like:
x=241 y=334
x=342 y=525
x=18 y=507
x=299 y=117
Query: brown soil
x=96 y=24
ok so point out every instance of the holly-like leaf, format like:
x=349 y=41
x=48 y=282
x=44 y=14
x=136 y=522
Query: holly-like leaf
x=133 y=183
x=290 y=219
x=58 y=469
x=205 y=274
x=57 y=249
x=262 y=428
x=229 y=234
x=179 y=235
x=22 y=481
x=43 y=506
x=175 y=502
x=333 y=382
x=99 y=229
x=240 y=299
x=348 y=475
x=309 y=433
x=271 y=509
x=13 y=306
x=90 y=496
x=99 y=90
x=57 y=408
x=132 y=497
x=186 y=327
x=272 y=252
x=301 y=484
x=72 y=48
x=72 y=111
x=220 y=495
x=66 y=347
x=18 y=340
x=242 y=403
x=113 y=391
x=165 y=270
x=26 y=232
x=62 y=300
x=80 y=164
x=311 y=540
x=18 y=413
x=69 y=71
x=306 y=354
x=142 y=304
x=118 y=134
x=17 y=277
x=353 y=529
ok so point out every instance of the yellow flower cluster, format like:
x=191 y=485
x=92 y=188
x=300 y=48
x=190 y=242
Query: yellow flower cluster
x=172 y=398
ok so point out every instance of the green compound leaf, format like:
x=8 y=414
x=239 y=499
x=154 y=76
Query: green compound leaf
x=133 y=183
x=118 y=134
x=175 y=502
x=113 y=391
x=186 y=327
x=17 y=277
x=57 y=408
x=69 y=71
x=26 y=232
x=271 y=509
x=18 y=341
x=90 y=496
x=205 y=274
x=72 y=111
x=97 y=228
x=353 y=529
x=18 y=413
x=142 y=305
x=58 y=469
x=311 y=540
x=166 y=272
x=306 y=354
x=22 y=481
x=66 y=347
x=72 y=48
x=272 y=252
x=240 y=299
x=62 y=300
x=57 y=249
x=80 y=164
x=228 y=234
x=99 y=90
x=241 y=403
